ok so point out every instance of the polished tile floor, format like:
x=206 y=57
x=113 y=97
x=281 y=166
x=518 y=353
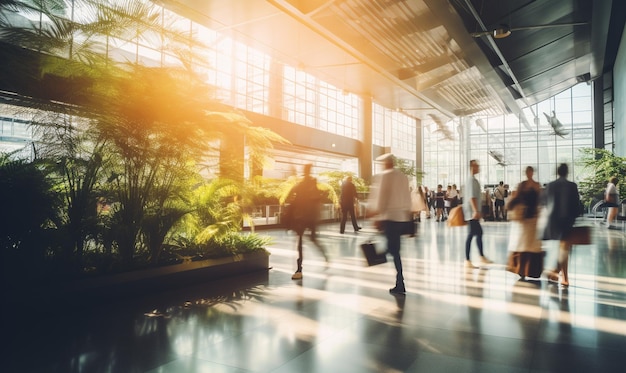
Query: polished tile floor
x=341 y=318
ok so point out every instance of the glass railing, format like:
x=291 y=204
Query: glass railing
x=269 y=215
x=263 y=215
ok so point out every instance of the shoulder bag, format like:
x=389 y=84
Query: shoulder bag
x=456 y=217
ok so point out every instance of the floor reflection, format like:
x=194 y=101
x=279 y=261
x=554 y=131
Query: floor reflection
x=342 y=318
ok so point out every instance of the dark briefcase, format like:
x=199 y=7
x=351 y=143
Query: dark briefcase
x=579 y=235
x=371 y=255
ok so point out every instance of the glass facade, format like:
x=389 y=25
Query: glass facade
x=311 y=102
x=249 y=79
x=394 y=130
x=442 y=156
x=14 y=131
x=505 y=146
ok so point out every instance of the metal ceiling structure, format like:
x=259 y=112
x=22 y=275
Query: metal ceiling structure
x=419 y=56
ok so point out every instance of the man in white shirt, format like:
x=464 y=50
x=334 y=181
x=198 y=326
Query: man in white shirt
x=471 y=210
x=499 y=193
x=392 y=204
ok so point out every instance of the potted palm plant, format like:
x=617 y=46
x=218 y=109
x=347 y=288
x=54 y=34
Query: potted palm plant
x=120 y=143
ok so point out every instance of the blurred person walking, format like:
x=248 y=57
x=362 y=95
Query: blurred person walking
x=304 y=213
x=472 y=203
x=562 y=208
x=348 y=200
x=392 y=205
x=526 y=256
x=611 y=199
x=499 y=194
x=440 y=197
x=418 y=203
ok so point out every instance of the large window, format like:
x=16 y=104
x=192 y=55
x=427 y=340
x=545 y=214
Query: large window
x=442 y=153
x=339 y=111
x=299 y=98
x=14 y=132
x=505 y=145
x=313 y=103
x=252 y=77
x=240 y=74
x=396 y=131
x=242 y=77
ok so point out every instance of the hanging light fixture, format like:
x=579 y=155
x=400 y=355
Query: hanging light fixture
x=501 y=31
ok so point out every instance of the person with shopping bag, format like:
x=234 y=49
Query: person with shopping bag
x=391 y=205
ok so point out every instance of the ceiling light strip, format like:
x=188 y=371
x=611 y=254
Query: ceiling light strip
x=495 y=48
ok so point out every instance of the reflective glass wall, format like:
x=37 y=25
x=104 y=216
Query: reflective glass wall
x=504 y=146
x=251 y=80
x=395 y=131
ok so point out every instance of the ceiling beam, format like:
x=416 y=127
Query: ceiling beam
x=391 y=76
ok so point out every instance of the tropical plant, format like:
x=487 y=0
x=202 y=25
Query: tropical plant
x=29 y=215
x=327 y=192
x=216 y=209
x=181 y=248
x=158 y=146
x=407 y=168
x=120 y=132
x=336 y=178
x=71 y=53
x=263 y=191
x=601 y=166
x=234 y=243
x=75 y=159
x=158 y=225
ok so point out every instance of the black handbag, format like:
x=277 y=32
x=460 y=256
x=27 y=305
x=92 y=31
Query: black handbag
x=372 y=256
x=579 y=235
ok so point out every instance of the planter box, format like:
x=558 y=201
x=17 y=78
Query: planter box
x=142 y=282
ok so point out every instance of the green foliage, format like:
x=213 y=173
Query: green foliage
x=234 y=243
x=29 y=220
x=327 y=192
x=158 y=224
x=129 y=138
x=231 y=243
x=601 y=165
x=76 y=160
x=29 y=206
x=263 y=191
x=336 y=178
x=216 y=210
x=285 y=188
x=407 y=168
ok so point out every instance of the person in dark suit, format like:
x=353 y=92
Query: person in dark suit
x=562 y=207
x=305 y=201
x=348 y=198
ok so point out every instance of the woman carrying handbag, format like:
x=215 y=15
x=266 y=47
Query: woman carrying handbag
x=526 y=258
